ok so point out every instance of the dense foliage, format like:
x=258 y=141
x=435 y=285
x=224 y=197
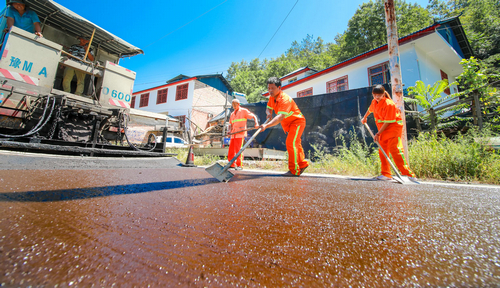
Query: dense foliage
x=366 y=30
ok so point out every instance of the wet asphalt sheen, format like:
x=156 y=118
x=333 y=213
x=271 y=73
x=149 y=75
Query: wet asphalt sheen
x=164 y=227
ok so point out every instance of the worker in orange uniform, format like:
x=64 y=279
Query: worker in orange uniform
x=238 y=122
x=390 y=127
x=293 y=123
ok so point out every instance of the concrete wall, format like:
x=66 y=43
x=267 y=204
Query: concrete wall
x=201 y=119
x=207 y=101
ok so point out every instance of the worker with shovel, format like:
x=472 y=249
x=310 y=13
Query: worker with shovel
x=238 y=122
x=293 y=123
x=390 y=127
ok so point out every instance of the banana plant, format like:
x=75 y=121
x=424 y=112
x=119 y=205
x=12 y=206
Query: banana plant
x=429 y=97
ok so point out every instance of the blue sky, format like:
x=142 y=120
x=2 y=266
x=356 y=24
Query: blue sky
x=218 y=32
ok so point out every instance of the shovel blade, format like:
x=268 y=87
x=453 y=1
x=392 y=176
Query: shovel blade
x=405 y=180
x=216 y=170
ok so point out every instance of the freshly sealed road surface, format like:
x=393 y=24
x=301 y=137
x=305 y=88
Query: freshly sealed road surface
x=174 y=226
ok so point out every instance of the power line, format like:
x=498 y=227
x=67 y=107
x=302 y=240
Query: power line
x=278 y=28
x=185 y=24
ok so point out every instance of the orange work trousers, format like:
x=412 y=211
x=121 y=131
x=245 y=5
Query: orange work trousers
x=393 y=146
x=234 y=147
x=296 y=156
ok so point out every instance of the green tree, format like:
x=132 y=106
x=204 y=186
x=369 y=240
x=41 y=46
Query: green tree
x=246 y=77
x=250 y=78
x=366 y=29
x=475 y=79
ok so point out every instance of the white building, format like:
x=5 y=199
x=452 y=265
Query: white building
x=429 y=55
x=193 y=100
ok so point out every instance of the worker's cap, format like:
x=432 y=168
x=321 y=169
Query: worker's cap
x=236 y=101
x=16 y=1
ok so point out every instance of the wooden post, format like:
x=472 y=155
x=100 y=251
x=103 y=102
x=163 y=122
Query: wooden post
x=224 y=125
x=417 y=118
x=395 y=67
x=432 y=114
x=164 y=138
x=477 y=111
x=88 y=47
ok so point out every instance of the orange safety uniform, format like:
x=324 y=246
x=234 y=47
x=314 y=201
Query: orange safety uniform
x=385 y=111
x=238 y=122
x=293 y=124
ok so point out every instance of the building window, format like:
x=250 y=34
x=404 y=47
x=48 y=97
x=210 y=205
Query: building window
x=182 y=119
x=379 y=74
x=304 y=93
x=182 y=92
x=144 y=100
x=161 y=97
x=444 y=76
x=132 y=102
x=337 y=85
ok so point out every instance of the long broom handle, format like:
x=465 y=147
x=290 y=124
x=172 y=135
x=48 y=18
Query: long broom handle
x=242 y=148
x=229 y=134
x=381 y=149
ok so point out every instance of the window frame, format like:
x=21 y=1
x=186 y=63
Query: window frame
x=144 y=100
x=132 y=102
x=303 y=91
x=386 y=77
x=180 y=89
x=444 y=76
x=161 y=96
x=336 y=85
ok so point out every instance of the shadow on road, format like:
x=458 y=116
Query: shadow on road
x=92 y=192
x=85 y=193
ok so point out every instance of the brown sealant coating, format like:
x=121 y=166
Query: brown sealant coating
x=182 y=227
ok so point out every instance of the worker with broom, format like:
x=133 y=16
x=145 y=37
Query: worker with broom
x=293 y=123
x=390 y=127
x=238 y=122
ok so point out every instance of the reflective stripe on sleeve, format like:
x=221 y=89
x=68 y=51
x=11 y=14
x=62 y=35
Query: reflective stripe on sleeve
x=239 y=120
x=391 y=121
x=286 y=114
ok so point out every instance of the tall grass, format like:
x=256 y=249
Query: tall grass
x=462 y=158
x=357 y=159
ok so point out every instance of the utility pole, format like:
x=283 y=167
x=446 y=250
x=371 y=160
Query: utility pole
x=395 y=66
x=225 y=120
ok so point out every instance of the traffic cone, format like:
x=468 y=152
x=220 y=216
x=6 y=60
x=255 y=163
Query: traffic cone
x=190 y=158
